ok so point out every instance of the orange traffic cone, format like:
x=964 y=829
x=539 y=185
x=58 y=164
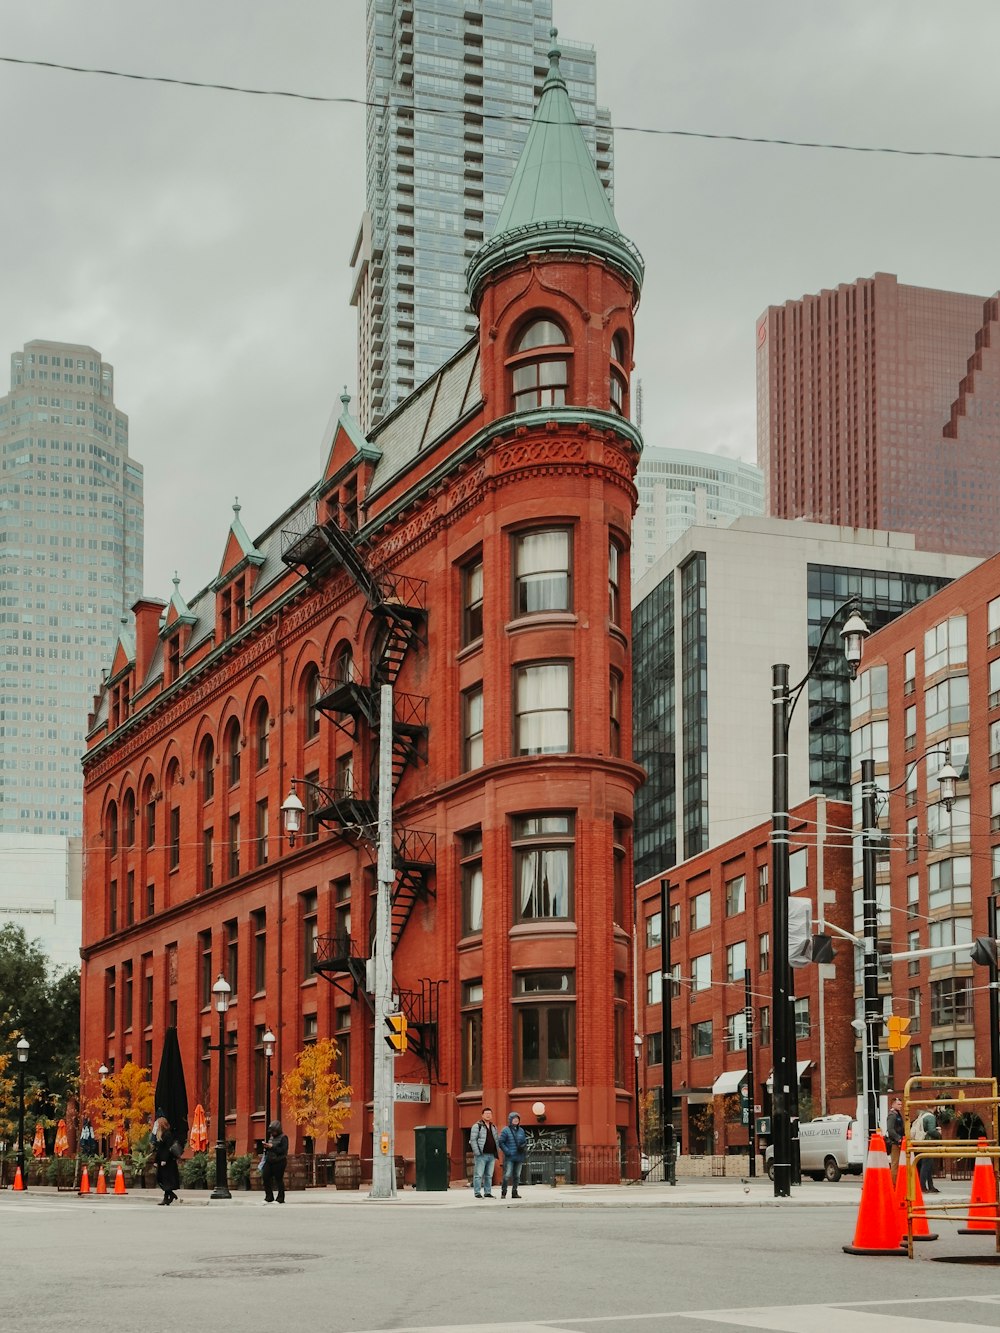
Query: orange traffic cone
x=85 y=1181
x=120 y=1181
x=18 y=1182
x=877 y=1230
x=983 y=1200
x=102 y=1184
x=921 y=1231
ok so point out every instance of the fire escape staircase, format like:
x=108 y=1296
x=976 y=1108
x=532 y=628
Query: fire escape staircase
x=399 y=604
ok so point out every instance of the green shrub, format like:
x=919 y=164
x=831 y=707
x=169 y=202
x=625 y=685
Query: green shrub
x=194 y=1171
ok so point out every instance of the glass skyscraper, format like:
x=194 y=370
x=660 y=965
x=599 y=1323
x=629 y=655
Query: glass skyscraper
x=71 y=533
x=451 y=87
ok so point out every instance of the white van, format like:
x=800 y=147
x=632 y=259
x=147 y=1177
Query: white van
x=828 y=1147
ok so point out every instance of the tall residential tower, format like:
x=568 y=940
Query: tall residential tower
x=451 y=88
x=71 y=521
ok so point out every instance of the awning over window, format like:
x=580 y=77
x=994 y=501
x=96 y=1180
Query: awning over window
x=728 y=1082
x=800 y=1068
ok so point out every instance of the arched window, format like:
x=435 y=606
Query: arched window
x=619 y=375
x=207 y=766
x=112 y=829
x=343 y=666
x=311 y=693
x=128 y=819
x=540 y=367
x=233 y=752
x=262 y=734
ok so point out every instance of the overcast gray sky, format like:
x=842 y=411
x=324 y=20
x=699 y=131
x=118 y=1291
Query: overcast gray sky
x=200 y=240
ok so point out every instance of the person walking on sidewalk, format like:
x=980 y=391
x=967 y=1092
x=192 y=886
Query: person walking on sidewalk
x=484 y=1144
x=924 y=1127
x=894 y=1131
x=275 y=1158
x=514 y=1146
x=166 y=1151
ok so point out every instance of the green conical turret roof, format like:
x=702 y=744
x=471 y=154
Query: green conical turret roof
x=556 y=200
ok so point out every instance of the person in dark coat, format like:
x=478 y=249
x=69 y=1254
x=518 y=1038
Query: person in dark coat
x=514 y=1146
x=275 y=1159
x=168 y=1176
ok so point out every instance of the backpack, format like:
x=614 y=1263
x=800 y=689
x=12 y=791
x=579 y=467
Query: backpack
x=917 y=1131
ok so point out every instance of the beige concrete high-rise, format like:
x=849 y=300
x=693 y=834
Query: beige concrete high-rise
x=71 y=545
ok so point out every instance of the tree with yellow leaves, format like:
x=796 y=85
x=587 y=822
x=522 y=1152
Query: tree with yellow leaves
x=125 y=1100
x=316 y=1096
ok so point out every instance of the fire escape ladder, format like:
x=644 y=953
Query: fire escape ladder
x=356 y=817
x=409 y=733
x=338 y=961
x=400 y=603
x=310 y=540
x=421 y=1010
x=413 y=864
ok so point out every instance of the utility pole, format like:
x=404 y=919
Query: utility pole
x=383 y=1126
x=667 y=1039
x=751 y=1085
x=991 y=917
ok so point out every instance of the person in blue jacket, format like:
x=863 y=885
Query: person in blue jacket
x=514 y=1146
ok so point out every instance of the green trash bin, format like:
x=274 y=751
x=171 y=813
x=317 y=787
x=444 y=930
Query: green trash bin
x=431 y=1157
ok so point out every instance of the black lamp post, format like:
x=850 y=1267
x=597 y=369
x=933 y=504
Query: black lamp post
x=221 y=991
x=23 y=1046
x=667 y=1037
x=103 y=1072
x=784 y=1083
x=269 y=1040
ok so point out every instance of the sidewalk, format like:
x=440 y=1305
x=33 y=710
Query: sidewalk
x=729 y=1193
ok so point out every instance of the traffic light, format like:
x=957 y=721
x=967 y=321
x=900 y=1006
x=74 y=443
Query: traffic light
x=822 y=949
x=396 y=1040
x=898 y=1035
x=984 y=951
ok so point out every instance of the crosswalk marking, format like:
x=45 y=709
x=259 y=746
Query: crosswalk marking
x=794 y=1318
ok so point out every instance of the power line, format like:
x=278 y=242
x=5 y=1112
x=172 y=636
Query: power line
x=511 y=117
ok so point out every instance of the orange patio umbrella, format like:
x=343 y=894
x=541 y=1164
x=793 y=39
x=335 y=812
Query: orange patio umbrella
x=38 y=1147
x=119 y=1144
x=62 y=1140
x=199 y=1130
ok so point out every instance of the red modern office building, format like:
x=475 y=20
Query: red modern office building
x=473 y=551
x=929 y=689
x=720 y=922
x=878 y=406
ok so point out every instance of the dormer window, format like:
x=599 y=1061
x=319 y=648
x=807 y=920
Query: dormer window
x=173 y=664
x=618 y=386
x=540 y=367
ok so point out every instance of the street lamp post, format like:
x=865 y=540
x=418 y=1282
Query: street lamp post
x=269 y=1040
x=23 y=1046
x=785 y=1077
x=221 y=991
x=102 y=1073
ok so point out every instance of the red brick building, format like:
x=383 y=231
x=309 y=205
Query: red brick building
x=720 y=925
x=931 y=682
x=878 y=406
x=474 y=552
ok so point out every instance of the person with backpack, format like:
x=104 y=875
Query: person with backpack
x=514 y=1146
x=894 y=1131
x=924 y=1127
x=275 y=1159
x=486 y=1149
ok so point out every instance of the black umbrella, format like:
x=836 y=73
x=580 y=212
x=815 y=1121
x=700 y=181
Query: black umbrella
x=171 y=1090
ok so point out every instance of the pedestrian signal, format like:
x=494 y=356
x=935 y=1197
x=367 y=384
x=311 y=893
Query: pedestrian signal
x=898 y=1036
x=396 y=1040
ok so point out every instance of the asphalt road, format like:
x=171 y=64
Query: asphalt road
x=113 y=1265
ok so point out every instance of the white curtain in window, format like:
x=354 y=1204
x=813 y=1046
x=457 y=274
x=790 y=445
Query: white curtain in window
x=543 y=708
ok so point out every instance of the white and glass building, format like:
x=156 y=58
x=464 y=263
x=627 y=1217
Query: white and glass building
x=680 y=487
x=71 y=534
x=451 y=88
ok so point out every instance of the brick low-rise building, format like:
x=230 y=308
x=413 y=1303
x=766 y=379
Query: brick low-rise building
x=720 y=914
x=473 y=551
x=929 y=688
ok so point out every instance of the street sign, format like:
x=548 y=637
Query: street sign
x=411 y=1092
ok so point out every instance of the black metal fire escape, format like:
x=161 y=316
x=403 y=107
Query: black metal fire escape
x=398 y=603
